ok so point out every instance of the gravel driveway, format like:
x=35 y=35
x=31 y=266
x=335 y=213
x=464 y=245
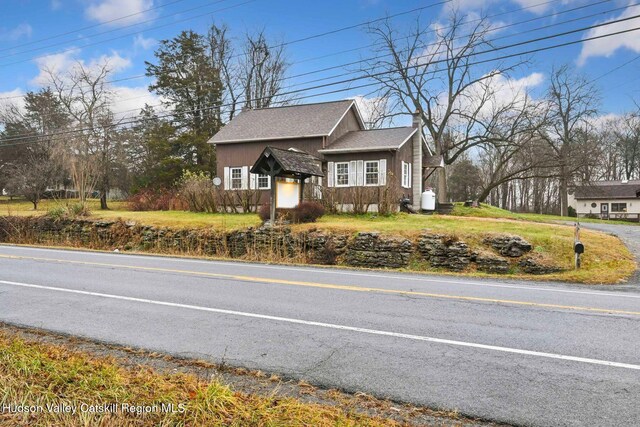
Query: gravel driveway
x=629 y=234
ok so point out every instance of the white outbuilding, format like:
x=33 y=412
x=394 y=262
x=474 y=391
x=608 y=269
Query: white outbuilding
x=607 y=199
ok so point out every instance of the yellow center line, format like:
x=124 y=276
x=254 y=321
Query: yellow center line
x=326 y=285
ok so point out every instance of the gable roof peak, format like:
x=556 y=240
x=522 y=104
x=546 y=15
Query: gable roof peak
x=284 y=122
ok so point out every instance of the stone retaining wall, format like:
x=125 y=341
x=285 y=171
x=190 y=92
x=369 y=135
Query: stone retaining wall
x=499 y=254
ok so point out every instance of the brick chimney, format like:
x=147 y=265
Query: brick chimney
x=416 y=168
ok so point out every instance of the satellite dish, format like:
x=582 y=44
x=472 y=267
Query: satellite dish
x=217 y=181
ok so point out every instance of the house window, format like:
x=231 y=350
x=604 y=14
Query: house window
x=371 y=172
x=406 y=174
x=618 y=207
x=236 y=178
x=342 y=174
x=264 y=182
x=594 y=205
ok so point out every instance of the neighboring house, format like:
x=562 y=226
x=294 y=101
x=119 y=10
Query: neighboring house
x=335 y=133
x=607 y=199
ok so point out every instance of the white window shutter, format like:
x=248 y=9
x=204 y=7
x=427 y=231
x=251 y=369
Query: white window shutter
x=245 y=177
x=227 y=178
x=331 y=173
x=382 y=172
x=360 y=173
x=269 y=182
x=253 y=181
x=410 y=179
x=352 y=173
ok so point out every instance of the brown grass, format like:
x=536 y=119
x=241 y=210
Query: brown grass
x=37 y=374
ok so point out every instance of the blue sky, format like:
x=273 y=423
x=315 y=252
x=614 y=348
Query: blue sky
x=31 y=37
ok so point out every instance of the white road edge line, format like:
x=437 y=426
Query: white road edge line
x=334 y=326
x=330 y=270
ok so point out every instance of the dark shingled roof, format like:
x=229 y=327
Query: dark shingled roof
x=370 y=140
x=294 y=121
x=292 y=162
x=608 y=190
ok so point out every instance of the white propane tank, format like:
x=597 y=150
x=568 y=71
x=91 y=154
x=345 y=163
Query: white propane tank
x=428 y=202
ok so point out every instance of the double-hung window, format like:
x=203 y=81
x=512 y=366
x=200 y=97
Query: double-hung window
x=406 y=175
x=372 y=172
x=342 y=174
x=236 y=178
x=263 y=182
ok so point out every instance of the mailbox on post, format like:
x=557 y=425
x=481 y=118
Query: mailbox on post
x=578 y=247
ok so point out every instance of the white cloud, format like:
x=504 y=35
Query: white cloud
x=535 y=6
x=21 y=31
x=532 y=6
x=505 y=92
x=140 y=42
x=128 y=101
x=56 y=4
x=12 y=97
x=373 y=110
x=607 y=46
x=62 y=63
x=105 y=11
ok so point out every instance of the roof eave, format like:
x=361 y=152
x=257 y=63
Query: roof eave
x=357 y=150
x=232 y=141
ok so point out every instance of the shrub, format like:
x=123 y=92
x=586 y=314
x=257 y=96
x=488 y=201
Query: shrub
x=58 y=212
x=264 y=212
x=70 y=210
x=150 y=199
x=198 y=192
x=304 y=212
x=307 y=212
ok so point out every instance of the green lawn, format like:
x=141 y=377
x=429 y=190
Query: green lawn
x=488 y=211
x=606 y=259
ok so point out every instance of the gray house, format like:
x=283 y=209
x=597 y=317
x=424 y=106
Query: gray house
x=333 y=132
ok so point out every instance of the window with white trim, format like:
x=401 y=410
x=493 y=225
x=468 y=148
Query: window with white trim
x=342 y=174
x=236 y=178
x=263 y=182
x=618 y=207
x=405 y=174
x=372 y=172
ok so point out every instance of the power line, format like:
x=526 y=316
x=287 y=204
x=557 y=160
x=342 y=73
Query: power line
x=133 y=121
x=55 y=36
x=426 y=46
x=128 y=34
x=114 y=30
x=440 y=61
x=431 y=31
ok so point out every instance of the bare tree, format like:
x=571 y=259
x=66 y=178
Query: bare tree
x=573 y=103
x=627 y=133
x=84 y=93
x=221 y=53
x=432 y=71
x=262 y=72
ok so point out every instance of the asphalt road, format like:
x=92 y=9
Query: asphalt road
x=532 y=354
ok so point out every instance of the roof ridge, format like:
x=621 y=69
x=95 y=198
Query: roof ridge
x=389 y=128
x=302 y=105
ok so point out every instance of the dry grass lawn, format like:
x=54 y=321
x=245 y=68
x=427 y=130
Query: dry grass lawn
x=37 y=375
x=606 y=259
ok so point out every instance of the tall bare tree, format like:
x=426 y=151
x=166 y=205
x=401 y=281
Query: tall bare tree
x=431 y=71
x=84 y=93
x=262 y=71
x=572 y=105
